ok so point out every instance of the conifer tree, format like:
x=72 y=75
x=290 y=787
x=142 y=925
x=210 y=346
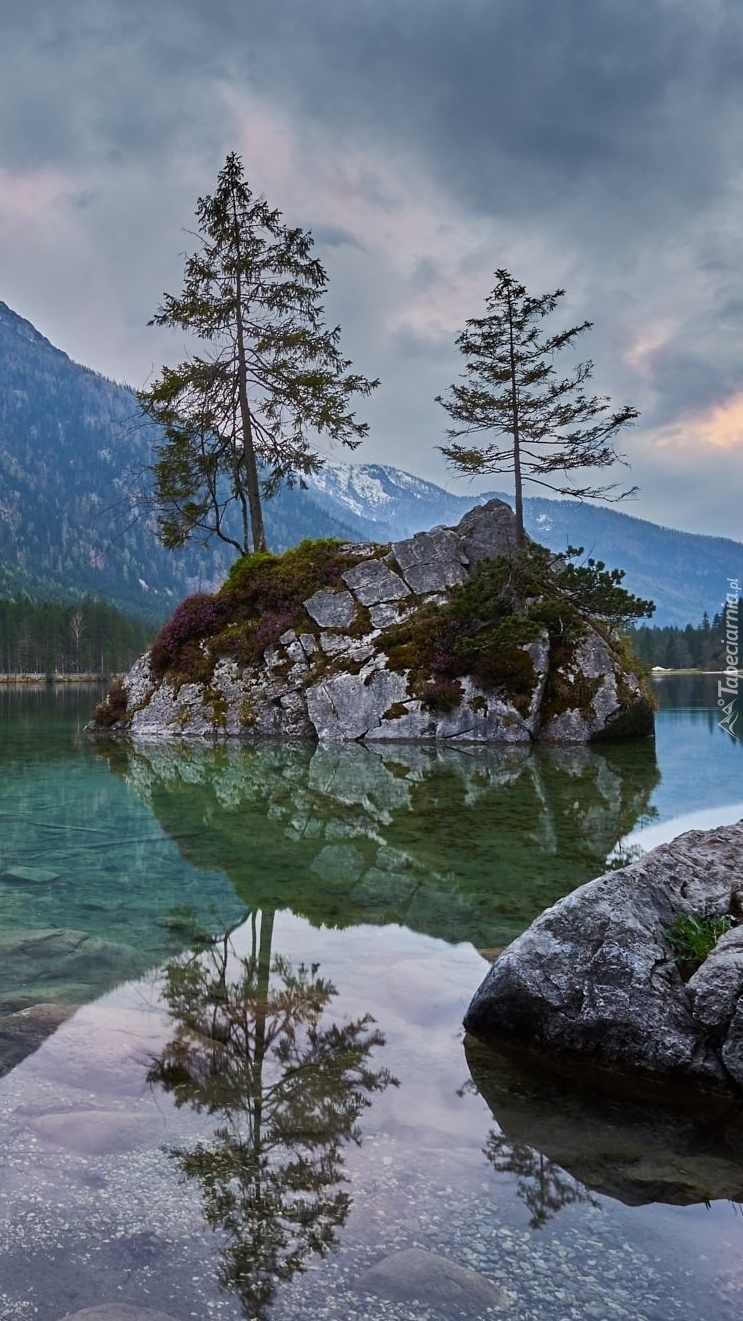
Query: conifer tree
x=546 y=428
x=240 y=418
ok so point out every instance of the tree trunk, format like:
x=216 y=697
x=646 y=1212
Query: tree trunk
x=251 y=466
x=517 y=478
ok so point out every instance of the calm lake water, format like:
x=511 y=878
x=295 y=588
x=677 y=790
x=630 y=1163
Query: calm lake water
x=233 y=1076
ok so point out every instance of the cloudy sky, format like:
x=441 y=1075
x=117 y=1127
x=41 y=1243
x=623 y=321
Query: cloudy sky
x=585 y=144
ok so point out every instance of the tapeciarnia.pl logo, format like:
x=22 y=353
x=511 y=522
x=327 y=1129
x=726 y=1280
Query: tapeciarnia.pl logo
x=729 y=688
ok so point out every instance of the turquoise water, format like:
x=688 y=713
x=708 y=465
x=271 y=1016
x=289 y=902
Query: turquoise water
x=239 y=1125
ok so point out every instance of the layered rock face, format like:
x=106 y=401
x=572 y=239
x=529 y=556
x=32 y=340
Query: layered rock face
x=595 y=977
x=333 y=679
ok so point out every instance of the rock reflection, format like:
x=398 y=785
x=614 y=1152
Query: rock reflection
x=558 y=1128
x=463 y=844
x=255 y=1047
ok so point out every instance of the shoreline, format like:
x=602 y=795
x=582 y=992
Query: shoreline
x=50 y=680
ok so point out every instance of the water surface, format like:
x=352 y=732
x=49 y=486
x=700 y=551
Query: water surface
x=238 y=1079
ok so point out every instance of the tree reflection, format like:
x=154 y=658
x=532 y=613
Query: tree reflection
x=544 y=1188
x=251 y=1047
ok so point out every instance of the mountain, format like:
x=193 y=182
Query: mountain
x=73 y=451
x=683 y=572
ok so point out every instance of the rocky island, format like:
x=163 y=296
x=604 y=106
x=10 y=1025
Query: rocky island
x=452 y=635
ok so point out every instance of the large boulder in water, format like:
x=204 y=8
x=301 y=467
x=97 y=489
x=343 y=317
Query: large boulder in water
x=597 y=977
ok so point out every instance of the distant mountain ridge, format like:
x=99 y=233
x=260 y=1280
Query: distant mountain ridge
x=683 y=572
x=72 y=442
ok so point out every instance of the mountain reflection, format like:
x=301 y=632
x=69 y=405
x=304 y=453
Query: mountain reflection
x=254 y=1046
x=463 y=844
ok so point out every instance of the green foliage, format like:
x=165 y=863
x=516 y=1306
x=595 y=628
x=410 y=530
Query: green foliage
x=692 y=938
x=489 y=621
x=699 y=648
x=261 y=599
x=48 y=637
x=112 y=711
x=236 y=421
x=547 y=429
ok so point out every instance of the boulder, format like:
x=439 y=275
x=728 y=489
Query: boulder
x=595 y=977
x=117 y=1312
x=431 y=561
x=415 y=1275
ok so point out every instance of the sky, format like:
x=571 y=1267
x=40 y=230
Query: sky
x=580 y=144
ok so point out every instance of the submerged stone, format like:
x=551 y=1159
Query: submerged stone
x=415 y=1275
x=117 y=1312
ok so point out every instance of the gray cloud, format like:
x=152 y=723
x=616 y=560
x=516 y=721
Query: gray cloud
x=589 y=144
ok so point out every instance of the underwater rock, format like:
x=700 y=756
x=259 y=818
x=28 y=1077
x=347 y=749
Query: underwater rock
x=117 y=1312
x=23 y=1032
x=596 y=977
x=434 y=1281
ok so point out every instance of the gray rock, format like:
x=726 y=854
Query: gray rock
x=603 y=696
x=335 y=643
x=372 y=582
x=331 y=609
x=348 y=706
x=309 y=644
x=715 y=988
x=425 y=1277
x=387 y=613
x=487 y=531
x=594 y=976
x=329 y=687
x=430 y=561
x=117 y=1312
x=732 y=1047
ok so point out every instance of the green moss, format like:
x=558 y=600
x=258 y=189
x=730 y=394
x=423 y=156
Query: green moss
x=396 y=711
x=261 y=599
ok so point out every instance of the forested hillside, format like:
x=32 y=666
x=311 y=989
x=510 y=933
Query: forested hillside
x=698 y=648
x=73 y=451
x=51 y=638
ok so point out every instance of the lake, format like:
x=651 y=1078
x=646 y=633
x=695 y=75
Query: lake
x=233 y=1077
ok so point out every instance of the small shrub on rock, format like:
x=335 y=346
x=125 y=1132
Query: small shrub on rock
x=113 y=710
x=693 y=937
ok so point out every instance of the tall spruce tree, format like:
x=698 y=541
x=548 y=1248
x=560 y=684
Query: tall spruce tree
x=550 y=428
x=239 y=419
